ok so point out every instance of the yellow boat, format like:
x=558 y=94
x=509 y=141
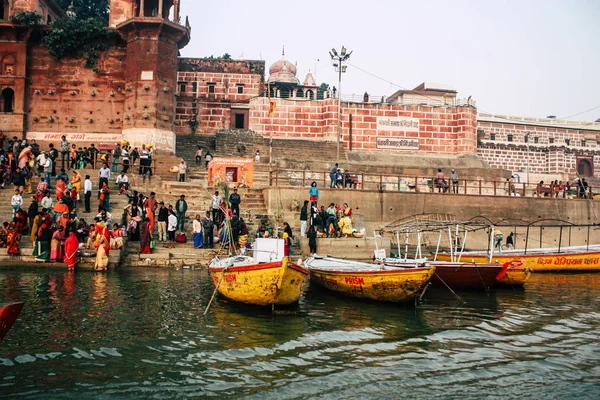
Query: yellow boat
x=539 y=260
x=369 y=281
x=273 y=283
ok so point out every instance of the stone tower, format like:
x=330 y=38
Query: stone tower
x=154 y=35
x=14 y=45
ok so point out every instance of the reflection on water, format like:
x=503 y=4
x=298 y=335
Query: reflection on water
x=140 y=334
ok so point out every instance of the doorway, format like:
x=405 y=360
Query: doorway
x=585 y=167
x=7 y=100
x=239 y=119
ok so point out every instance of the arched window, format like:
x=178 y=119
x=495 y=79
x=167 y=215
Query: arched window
x=300 y=93
x=8 y=65
x=310 y=94
x=584 y=167
x=7 y=100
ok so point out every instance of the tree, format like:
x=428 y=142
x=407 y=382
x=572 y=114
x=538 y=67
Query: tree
x=226 y=56
x=85 y=33
x=85 y=9
x=323 y=87
x=27 y=18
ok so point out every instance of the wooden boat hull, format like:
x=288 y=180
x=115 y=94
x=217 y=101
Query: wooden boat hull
x=460 y=275
x=384 y=285
x=563 y=262
x=515 y=276
x=277 y=283
x=8 y=315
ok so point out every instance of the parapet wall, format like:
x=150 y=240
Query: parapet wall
x=379 y=209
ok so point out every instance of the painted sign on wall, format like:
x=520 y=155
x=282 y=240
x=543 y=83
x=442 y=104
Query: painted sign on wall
x=398 y=124
x=397 y=143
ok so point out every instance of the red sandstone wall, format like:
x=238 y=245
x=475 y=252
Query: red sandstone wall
x=442 y=130
x=213 y=109
x=77 y=99
x=12 y=123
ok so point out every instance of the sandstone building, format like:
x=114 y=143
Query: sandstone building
x=143 y=92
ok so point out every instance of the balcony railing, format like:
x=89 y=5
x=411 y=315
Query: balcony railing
x=425 y=184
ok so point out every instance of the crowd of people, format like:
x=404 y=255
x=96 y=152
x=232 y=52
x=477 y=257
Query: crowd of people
x=51 y=220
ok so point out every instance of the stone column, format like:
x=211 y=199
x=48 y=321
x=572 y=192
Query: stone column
x=142 y=8
x=160 y=9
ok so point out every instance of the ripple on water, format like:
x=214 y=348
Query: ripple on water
x=140 y=335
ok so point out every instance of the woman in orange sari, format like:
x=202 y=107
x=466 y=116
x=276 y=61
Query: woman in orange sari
x=24 y=157
x=71 y=246
x=102 y=254
x=76 y=182
x=60 y=208
x=61 y=186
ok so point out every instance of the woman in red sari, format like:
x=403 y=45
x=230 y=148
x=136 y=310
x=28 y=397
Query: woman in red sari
x=145 y=237
x=20 y=222
x=12 y=240
x=71 y=246
x=41 y=189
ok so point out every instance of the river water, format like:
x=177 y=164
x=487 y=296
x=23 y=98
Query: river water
x=139 y=334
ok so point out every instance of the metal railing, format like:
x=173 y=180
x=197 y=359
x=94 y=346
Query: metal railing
x=424 y=184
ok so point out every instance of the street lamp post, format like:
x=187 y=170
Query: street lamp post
x=527 y=158
x=338 y=62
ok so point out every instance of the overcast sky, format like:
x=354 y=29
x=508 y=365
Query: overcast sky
x=526 y=58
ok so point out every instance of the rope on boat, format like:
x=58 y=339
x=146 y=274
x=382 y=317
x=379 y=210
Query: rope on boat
x=449 y=288
x=215 y=291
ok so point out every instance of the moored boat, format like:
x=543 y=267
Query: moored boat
x=266 y=279
x=459 y=275
x=368 y=281
x=577 y=258
x=8 y=315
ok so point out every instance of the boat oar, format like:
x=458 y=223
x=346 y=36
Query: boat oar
x=215 y=291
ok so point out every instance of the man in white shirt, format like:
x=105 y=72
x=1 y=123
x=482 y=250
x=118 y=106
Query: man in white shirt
x=16 y=202
x=171 y=227
x=47 y=202
x=122 y=182
x=144 y=154
x=215 y=205
x=104 y=175
x=48 y=170
x=182 y=170
x=87 y=192
x=41 y=160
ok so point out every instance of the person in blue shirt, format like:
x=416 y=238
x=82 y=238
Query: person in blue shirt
x=313 y=192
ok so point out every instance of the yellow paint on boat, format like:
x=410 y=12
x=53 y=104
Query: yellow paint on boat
x=384 y=285
x=515 y=276
x=563 y=262
x=276 y=283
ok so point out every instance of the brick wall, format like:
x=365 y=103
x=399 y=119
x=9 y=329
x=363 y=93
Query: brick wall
x=555 y=152
x=446 y=130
